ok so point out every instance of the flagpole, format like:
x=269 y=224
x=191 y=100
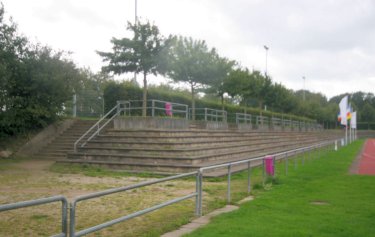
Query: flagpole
x=346 y=134
x=350 y=132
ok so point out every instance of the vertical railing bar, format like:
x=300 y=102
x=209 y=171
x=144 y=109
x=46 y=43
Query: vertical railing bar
x=286 y=163
x=248 y=177
x=228 y=188
x=200 y=193
x=263 y=171
x=197 y=196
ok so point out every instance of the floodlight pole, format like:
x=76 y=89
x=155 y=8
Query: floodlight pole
x=304 y=89
x=135 y=23
x=266 y=48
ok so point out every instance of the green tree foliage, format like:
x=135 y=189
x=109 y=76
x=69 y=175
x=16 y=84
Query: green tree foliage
x=192 y=62
x=35 y=82
x=222 y=70
x=140 y=54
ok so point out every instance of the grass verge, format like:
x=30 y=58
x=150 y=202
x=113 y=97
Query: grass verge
x=319 y=199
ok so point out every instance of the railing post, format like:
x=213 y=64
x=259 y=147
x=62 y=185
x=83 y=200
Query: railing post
x=228 y=189
x=263 y=171
x=72 y=219
x=197 y=198
x=286 y=163
x=303 y=156
x=205 y=114
x=295 y=160
x=248 y=177
x=152 y=108
x=200 y=193
x=64 y=216
x=187 y=112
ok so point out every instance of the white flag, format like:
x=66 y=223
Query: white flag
x=353 y=121
x=343 y=106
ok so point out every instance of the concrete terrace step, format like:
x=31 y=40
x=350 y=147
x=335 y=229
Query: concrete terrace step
x=156 y=144
x=173 y=151
x=205 y=158
x=185 y=139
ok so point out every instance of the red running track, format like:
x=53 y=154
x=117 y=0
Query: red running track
x=367 y=162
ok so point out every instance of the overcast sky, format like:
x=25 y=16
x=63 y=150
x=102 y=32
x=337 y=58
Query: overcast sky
x=330 y=42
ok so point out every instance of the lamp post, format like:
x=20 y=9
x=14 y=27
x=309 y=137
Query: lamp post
x=266 y=48
x=304 y=89
x=135 y=23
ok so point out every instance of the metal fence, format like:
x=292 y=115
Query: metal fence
x=207 y=114
x=73 y=205
x=198 y=194
x=157 y=108
x=243 y=118
x=42 y=201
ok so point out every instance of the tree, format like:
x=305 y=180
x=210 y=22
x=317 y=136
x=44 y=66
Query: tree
x=192 y=62
x=35 y=82
x=221 y=71
x=140 y=54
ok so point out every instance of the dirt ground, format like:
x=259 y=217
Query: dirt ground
x=32 y=179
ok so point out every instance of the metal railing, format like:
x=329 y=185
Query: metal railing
x=101 y=124
x=73 y=205
x=208 y=114
x=281 y=155
x=158 y=108
x=243 y=118
x=37 y=202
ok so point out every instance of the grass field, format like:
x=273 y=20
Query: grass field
x=318 y=199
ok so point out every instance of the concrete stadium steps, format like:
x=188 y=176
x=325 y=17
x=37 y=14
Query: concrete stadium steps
x=190 y=136
x=186 y=156
x=177 y=151
x=63 y=143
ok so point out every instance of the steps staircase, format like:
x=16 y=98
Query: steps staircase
x=179 y=151
x=63 y=143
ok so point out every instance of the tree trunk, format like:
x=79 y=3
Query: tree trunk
x=222 y=102
x=144 y=102
x=192 y=103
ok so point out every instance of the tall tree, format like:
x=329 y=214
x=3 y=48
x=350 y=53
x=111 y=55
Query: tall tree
x=221 y=71
x=35 y=82
x=139 y=54
x=192 y=62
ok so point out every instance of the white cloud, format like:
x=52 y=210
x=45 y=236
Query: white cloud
x=330 y=42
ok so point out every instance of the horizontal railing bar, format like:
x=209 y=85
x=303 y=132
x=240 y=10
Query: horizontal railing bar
x=59 y=235
x=133 y=215
x=35 y=202
x=259 y=157
x=121 y=189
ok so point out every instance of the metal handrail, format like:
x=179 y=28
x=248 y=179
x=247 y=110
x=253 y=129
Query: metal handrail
x=130 y=216
x=41 y=201
x=97 y=125
x=243 y=117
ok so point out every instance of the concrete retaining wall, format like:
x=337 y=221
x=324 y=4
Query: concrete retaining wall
x=44 y=137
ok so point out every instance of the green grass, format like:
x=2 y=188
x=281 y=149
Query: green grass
x=318 y=199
